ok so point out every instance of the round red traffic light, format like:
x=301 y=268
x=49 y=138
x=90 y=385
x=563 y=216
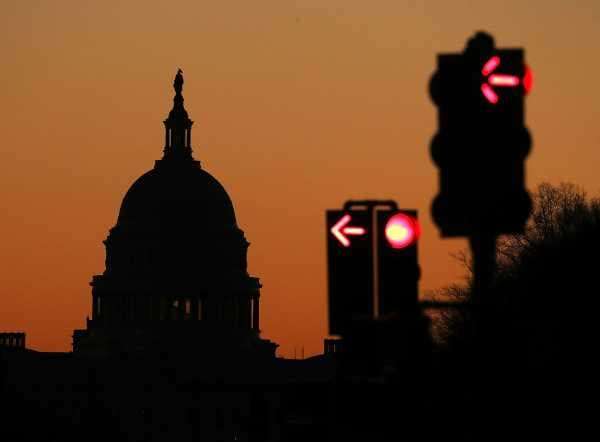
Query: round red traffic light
x=528 y=80
x=402 y=231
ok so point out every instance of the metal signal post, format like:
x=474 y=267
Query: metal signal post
x=480 y=148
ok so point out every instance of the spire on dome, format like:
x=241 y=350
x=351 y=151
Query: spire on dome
x=178 y=126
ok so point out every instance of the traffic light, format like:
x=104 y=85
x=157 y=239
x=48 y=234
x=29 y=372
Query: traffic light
x=350 y=268
x=482 y=141
x=398 y=276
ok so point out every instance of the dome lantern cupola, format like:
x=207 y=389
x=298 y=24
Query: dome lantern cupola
x=178 y=126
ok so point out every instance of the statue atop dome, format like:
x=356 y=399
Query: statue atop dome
x=178 y=82
x=178 y=126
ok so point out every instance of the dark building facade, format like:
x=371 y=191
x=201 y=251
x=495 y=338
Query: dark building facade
x=176 y=272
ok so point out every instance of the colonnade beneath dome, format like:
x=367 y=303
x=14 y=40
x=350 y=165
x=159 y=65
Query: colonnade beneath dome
x=237 y=311
x=13 y=340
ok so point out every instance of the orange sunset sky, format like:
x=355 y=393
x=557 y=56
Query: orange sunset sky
x=298 y=105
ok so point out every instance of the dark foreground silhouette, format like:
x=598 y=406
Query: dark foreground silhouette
x=527 y=356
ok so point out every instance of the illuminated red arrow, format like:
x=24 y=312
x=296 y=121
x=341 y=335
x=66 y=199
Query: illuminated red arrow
x=340 y=230
x=498 y=80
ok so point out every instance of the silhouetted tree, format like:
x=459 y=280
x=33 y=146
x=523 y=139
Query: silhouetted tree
x=531 y=347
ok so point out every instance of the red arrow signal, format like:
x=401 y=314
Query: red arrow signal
x=498 y=80
x=341 y=229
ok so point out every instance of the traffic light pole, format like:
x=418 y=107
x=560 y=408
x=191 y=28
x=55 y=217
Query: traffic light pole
x=483 y=253
x=370 y=206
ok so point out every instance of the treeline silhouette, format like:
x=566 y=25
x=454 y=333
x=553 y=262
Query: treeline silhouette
x=524 y=360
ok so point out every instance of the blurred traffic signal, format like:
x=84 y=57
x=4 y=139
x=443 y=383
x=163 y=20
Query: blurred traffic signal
x=482 y=141
x=398 y=273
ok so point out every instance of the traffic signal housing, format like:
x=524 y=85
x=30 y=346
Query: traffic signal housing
x=350 y=268
x=398 y=276
x=482 y=141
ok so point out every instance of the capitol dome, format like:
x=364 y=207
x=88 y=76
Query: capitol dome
x=179 y=193
x=175 y=273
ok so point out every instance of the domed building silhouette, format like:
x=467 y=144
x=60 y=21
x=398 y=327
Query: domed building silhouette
x=176 y=275
x=173 y=348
